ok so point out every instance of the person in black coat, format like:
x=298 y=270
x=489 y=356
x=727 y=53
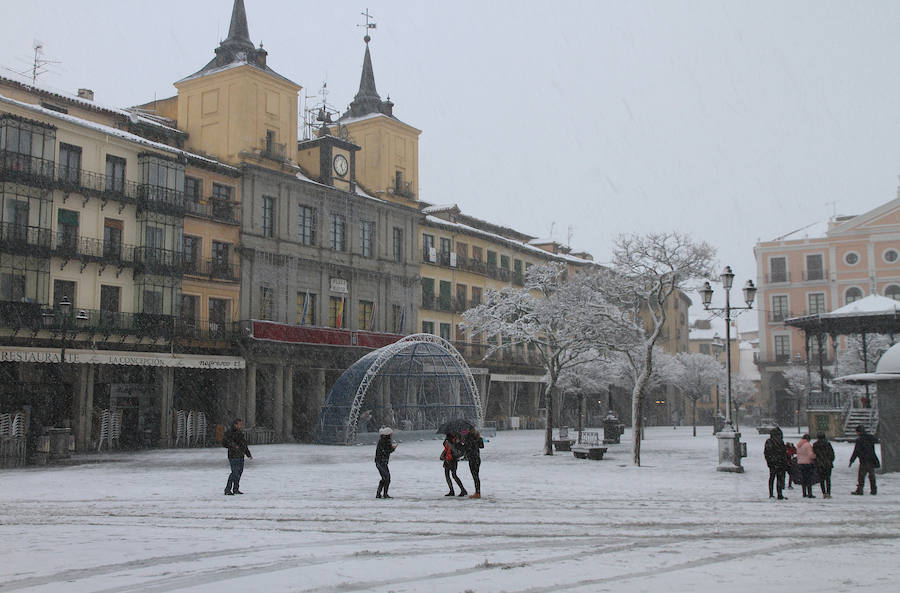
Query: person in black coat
x=472 y=445
x=383 y=451
x=864 y=450
x=824 y=462
x=777 y=460
x=451 y=455
x=234 y=441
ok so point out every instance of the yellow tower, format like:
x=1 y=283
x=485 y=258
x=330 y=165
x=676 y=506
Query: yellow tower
x=388 y=162
x=236 y=107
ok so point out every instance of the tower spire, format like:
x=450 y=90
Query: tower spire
x=238 y=32
x=367 y=99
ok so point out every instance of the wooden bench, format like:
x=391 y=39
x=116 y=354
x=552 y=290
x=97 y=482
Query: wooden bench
x=589 y=447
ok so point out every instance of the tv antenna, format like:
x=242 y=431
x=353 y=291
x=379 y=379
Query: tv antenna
x=39 y=66
x=369 y=24
x=833 y=208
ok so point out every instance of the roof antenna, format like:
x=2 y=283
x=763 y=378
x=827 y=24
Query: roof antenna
x=368 y=25
x=39 y=65
x=833 y=209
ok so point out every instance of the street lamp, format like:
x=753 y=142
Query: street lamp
x=729 y=440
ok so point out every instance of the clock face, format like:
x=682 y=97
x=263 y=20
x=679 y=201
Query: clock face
x=341 y=166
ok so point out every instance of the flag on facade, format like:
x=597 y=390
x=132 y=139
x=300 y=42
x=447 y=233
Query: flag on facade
x=372 y=317
x=402 y=318
x=305 y=309
x=340 y=315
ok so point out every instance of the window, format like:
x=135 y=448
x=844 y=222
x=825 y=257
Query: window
x=892 y=292
x=816 y=303
x=338 y=232
x=67 y=231
x=460 y=333
x=398 y=244
x=519 y=278
x=851 y=258
x=306 y=225
x=460 y=297
x=26 y=146
x=476 y=253
x=779 y=307
x=428 y=327
x=462 y=251
x=704 y=349
x=398 y=181
x=428 y=248
x=153 y=236
x=815 y=268
x=109 y=298
x=444 y=288
x=504 y=262
x=445 y=245
x=335 y=312
x=220 y=265
x=268 y=216
x=366 y=315
x=270 y=141
x=190 y=307
x=162 y=180
x=476 y=296
x=397 y=319
x=191 y=255
x=778 y=269
x=193 y=189
x=219 y=314
x=63 y=289
x=492 y=259
x=445 y=331
x=852 y=294
x=69 y=163
x=366 y=237
x=306 y=308
x=153 y=301
x=782 y=347
x=266 y=302
x=428 y=293
x=12 y=287
x=891 y=256
x=221 y=202
x=115 y=174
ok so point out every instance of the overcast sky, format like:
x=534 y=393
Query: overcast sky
x=732 y=121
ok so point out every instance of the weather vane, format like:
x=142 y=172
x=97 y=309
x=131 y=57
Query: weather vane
x=368 y=25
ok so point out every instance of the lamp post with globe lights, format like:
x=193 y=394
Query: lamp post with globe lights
x=729 y=440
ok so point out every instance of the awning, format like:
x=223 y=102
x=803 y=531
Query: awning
x=153 y=359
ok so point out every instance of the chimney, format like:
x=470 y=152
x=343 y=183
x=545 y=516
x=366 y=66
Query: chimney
x=86 y=94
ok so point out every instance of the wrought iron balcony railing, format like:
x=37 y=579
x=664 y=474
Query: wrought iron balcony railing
x=19 y=238
x=214 y=209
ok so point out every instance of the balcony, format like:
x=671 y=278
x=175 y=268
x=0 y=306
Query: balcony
x=202 y=329
x=153 y=260
x=459 y=305
x=160 y=199
x=778 y=278
x=443 y=258
x=477 y=266
x=429 y=302
x=404 y=188
x=815 y=275
x=25 y=240
x=493 y=271
x=504 y=274
x=779 y=316
x=69 y=246
x=211 y=268
x=214 y=209
x=24 y=168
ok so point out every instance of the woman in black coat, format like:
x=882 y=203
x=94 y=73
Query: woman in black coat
x=383 y=451
x=824 y=462
x=777 y=460
x=472 y=445
x=451 y=456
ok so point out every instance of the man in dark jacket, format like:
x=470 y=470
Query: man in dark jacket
x=864 y=449
x=234 y=441
x=471 y=446
x=824 y=462
x=777 y=460
x=383 y=451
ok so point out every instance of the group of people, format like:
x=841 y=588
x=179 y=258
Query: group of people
x=458 y=446
x=809 y=463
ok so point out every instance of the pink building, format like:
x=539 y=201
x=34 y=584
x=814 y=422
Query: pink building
x=857 y=256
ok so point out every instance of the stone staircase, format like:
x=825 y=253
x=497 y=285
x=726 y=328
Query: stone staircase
x=868 y=417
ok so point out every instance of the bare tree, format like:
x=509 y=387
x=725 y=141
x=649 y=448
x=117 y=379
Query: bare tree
x=701 y=373
x=549 y=313
x=630 y=302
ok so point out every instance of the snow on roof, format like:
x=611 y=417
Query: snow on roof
x=870 y=305
x=439 y=208
x=358 y=191
x=95 y=106
x=495 y=237
x=350 y=120
x=814 y=229
x=111 y=131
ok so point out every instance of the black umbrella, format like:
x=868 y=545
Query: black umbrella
x=457 y=425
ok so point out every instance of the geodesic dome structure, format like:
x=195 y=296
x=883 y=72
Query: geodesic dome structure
x=416 y=383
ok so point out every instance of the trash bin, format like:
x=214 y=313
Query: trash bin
x=53 y=444
x=612 y=430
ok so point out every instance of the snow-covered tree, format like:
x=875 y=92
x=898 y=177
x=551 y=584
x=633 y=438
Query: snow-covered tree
x=550 y=313
x=630 y=302
x=851 y=359
x=742 y=391
x=701 y=373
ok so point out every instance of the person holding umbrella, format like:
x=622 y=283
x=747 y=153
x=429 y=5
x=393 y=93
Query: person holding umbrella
x=450 y=456
x=472 y=445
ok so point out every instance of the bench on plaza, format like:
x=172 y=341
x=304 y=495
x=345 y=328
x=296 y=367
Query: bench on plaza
x=589 y=446
x=563 y=442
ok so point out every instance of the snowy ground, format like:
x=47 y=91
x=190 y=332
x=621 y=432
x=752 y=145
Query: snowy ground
x=157 y=521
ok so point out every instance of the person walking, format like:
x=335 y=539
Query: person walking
x=234 y=441
x=777 y=459
x=864 y=450
x=383 y=451
x=451 y=455
x=806 y=459
x=793 y=471
x=824 y=462
x=472 y=445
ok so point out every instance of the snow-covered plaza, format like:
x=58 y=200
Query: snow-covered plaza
x=309 y=521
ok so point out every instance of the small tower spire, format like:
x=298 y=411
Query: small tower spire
x=367 y=99
x=238 y=30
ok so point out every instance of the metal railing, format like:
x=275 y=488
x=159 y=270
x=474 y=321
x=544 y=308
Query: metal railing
x=214 y=209
x=160 y=199
x=778 y=278
x=779 y=315
x=812 y=275
x=212 y=268
x=22 y=238
x=46 y=173
x=155 y=260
